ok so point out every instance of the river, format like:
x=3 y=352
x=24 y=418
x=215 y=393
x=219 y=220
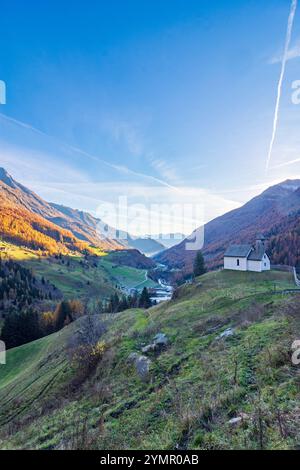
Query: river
x=162 y=293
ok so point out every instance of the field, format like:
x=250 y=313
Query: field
x=125 y=276
x=194 y=387
x=20 y=360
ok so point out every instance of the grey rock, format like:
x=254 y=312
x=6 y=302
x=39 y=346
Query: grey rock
x=132 y=357
x=227 y=333
x=161 y=339
x=235 y=421
x=142 y=365
x=149 y=348
x=238 y=419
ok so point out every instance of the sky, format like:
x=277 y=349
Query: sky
x=140 y=104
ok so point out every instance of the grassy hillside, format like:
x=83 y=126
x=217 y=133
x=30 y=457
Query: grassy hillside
x=125 y=276
x=131 y=258
x=194 y=387
x=75 y=277
x=72 y=277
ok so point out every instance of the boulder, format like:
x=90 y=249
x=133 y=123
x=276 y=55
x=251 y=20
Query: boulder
x=235 y=421
x=228 y=332
x=238 y=419
x=161 y=339
x=244 y=416
x=142 y=365
x=132 y=357
x=149 y=348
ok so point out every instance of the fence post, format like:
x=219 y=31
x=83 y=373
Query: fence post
x=297 y=281
x=2 y=353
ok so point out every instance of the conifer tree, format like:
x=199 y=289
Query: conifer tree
x=199 y=265
x=145 y=301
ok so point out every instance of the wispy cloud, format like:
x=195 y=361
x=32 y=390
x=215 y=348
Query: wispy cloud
x=126 y=132
x=37 y=166
x=165 y=170
x=72 y=188
x=121 y=169
x=291 y=162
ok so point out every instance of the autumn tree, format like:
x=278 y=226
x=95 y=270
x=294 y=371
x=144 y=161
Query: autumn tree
x=62 y=315
x=47 y=323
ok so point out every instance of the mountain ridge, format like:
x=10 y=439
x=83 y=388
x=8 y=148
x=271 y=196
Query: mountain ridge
x=82 y=224
x=20 y=195
x=275 y=212
x=263 y=213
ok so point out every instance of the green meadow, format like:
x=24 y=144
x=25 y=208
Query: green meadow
x=194 y=388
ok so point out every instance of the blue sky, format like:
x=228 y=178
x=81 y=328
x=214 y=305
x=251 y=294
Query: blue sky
x=167 y=100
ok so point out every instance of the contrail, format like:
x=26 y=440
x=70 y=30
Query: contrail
x=291 y=162
x=283 y=65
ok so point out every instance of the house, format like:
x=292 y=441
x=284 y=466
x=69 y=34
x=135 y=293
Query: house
x=248 y=257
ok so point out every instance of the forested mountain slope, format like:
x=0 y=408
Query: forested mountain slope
x=275 y=213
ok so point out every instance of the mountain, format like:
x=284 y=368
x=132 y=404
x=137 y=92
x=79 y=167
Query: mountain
x=132 y=258
x=148 y=246
x=170 y=239
x=18 y=195
x=275 y=212
x=151 y=245
x=22 y=226
x=82 y=225
x=157 y=242
x=85 y=225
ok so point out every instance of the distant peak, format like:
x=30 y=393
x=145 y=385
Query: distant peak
x=290 y=184
x=283 y=189
x=6 y=178
x=3 y=172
